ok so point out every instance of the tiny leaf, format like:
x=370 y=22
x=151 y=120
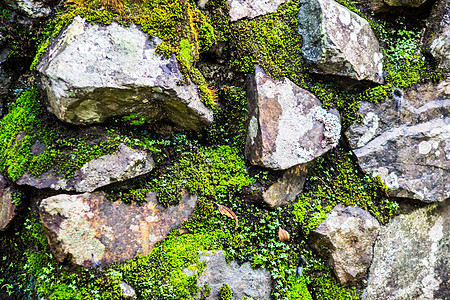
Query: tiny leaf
x=224 y=210
x=283 y=235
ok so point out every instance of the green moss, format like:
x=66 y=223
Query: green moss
x=299 y=289
x=225 y=292
x=335 y=179
x=185 y=31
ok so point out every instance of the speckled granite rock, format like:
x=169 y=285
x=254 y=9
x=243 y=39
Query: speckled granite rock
x=92 y=72
x=349 y=234
x=32 y=8
x=412 y=257
x=122 y=165
x=240 y=9
x=244 y=280
x=88 y=228
x=408 y=148
x=288 y=125
x=338 y=42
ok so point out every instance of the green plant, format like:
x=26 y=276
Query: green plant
x=225 y=292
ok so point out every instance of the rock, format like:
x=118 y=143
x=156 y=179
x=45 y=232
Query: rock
x=439 y=40
x=408 y=148
x=90 y=230
x=8 y=207
x=91 y=73
x=240 y=9
x=284 y=191
x=338 y=42
x=122 y=165
x=127 y=290
x=348 y=233
x=411 y=256
x=34 y=9
x=242 y=279
x=288 y=125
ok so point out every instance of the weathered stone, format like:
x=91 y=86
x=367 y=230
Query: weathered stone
x=439 y=40
x=127 y=290
x=338 y=42
x=122 y=165
x=408 y=147
x=242 y=279
x=348 y=233
x=284 y=191
x=91 y=73
x=32 y=8
x=8 y=209
x=288 y=125
x=411 y=257
x=88 y=228
x=240 y=9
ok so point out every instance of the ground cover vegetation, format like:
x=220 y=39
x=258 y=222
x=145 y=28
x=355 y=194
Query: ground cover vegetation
x=210 y=163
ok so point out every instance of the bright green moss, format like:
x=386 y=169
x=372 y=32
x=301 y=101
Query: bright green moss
x=185 y=31
x=299 y=289
x=334 y=180
x=225 y=292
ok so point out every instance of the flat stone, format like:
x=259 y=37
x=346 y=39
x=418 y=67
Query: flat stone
x=336 y=41
x=244 y=280
x=90 y=230
x=411 y=257
x=286 y=189
x=240 y=9
x=91 y=73
x=348 y=233
x=408 y=147
x=8 y=209
x=288 y=125
x=122 y=165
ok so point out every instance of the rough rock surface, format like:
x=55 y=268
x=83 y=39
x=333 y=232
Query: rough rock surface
x=349 y=234
x=288 y=125
x=411 y=257
x=88 y=228
x=285 y=189
x=439 y=42
x=91 y=72
x=408 y=147
x=32 y=8
x=338 y=42
x=242 y=279
x=240 y=9
x=124 y=164
x=8 y=210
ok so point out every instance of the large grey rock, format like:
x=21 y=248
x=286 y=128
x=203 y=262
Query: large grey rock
x=411 y=257
x=8 y=207
x=91 y=231
x=91 y=73
x=408 y=147
x=122 y=165
x=285 y=189
x=242 y=279
x=288 y=125
x=32 y=8
x=439 y=41
x=338 y=42
x=240 y=9
x=348 y=234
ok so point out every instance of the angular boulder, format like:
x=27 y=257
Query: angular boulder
x=90 y=230
x=288 y=125
x=8 y=208
x=34 y=9
x=122 y=165
x=439 y=35
x=338 y=42
x=240 y=9
x=91 y=73
x=242 y=279
x=411 y=256
x=348 y=235
x=285 y=189
x=407 y=142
